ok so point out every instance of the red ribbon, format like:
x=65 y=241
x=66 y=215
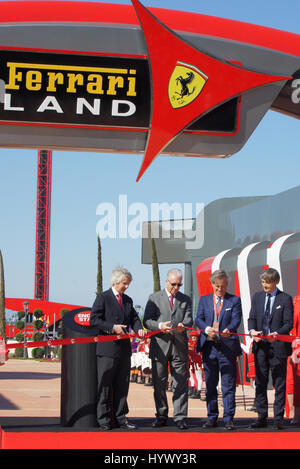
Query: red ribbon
x=280 y=337
x=109 y=338
x=78 y=340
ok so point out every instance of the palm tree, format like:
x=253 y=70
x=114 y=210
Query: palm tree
x=99 y=270
x=155 y=269
x=2 y=300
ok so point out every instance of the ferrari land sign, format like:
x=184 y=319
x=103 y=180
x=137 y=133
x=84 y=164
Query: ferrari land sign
x=104 y=77
x=74 y=89
x=70 y=89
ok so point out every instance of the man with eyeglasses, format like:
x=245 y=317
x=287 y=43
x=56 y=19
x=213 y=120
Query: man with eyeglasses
x=170 y=311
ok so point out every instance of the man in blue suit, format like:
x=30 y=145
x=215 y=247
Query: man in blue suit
x=219 y=314
x=271 y=313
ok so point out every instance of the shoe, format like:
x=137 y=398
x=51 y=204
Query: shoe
x=127 y=426
x=210 y=423
x=182 y=425
x=196 y=395
x=260 y=423
x=295 y=422
x=160 y=422
x=105 y=427
x=229 y=425
x=278 y=425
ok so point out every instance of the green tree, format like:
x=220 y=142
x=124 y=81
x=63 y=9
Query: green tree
x=63 y=311
x=155 y=269
x=99 y=269
x=2 y=300
x=38 y=313
x=38 y=352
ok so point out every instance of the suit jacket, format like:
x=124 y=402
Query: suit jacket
x=281 y=320
x=106 y=312
x=158 y=309
x=230 y=318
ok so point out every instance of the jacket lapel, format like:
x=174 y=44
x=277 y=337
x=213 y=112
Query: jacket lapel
x=210 y=309
x=116 y=304
x=166 y=302
x=225 y=304
x=176 y=302
x=275 y=304
x=261 y=310
x=113 y=298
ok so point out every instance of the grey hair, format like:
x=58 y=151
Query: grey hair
x=218 y=274
x=175 y=272
x=270 y=275
x=118 y=275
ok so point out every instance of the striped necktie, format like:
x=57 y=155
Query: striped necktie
x=218 y=304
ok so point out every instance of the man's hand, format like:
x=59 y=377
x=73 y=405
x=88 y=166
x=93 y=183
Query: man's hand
x=255 y=335
x=142 y=333
x=119 y=329
x=271 y=338
x=180 y=327
x=212 y=332
x=166 y=327
x=225 y=333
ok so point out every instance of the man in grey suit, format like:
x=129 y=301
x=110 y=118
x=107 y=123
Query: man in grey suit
x=170 y=311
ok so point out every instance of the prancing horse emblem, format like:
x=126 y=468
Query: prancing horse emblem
x=186 y=83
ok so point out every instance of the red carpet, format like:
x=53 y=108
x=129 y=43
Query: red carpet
x=80 y=440
x=30 y=434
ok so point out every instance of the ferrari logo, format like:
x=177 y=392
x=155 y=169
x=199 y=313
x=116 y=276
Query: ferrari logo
x=186 y=83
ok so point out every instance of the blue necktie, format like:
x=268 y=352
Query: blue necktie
x=266 y=321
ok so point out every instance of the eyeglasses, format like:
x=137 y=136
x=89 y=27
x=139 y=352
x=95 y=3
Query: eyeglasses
x=175 y=284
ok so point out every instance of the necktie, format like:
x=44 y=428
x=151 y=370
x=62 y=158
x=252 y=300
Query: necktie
x=119 y=300
x=266 y=320
x=267 y=312
x=171 y=301
x=216 y=318
x=218 y=304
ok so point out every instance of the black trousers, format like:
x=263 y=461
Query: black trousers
x=113 y=385
x=264 y=362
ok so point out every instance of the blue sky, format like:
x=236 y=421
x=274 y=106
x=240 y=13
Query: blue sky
x=268 y=164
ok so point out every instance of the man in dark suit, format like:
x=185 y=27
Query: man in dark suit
x=170 y=311
x=113 y=313
x=219 y=314
x=271 y=314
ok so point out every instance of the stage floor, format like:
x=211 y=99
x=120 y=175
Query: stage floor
x=50 y=424
x=30 y=418
x=48 y=433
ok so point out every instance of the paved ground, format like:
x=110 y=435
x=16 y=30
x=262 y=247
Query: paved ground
x=31 y=388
